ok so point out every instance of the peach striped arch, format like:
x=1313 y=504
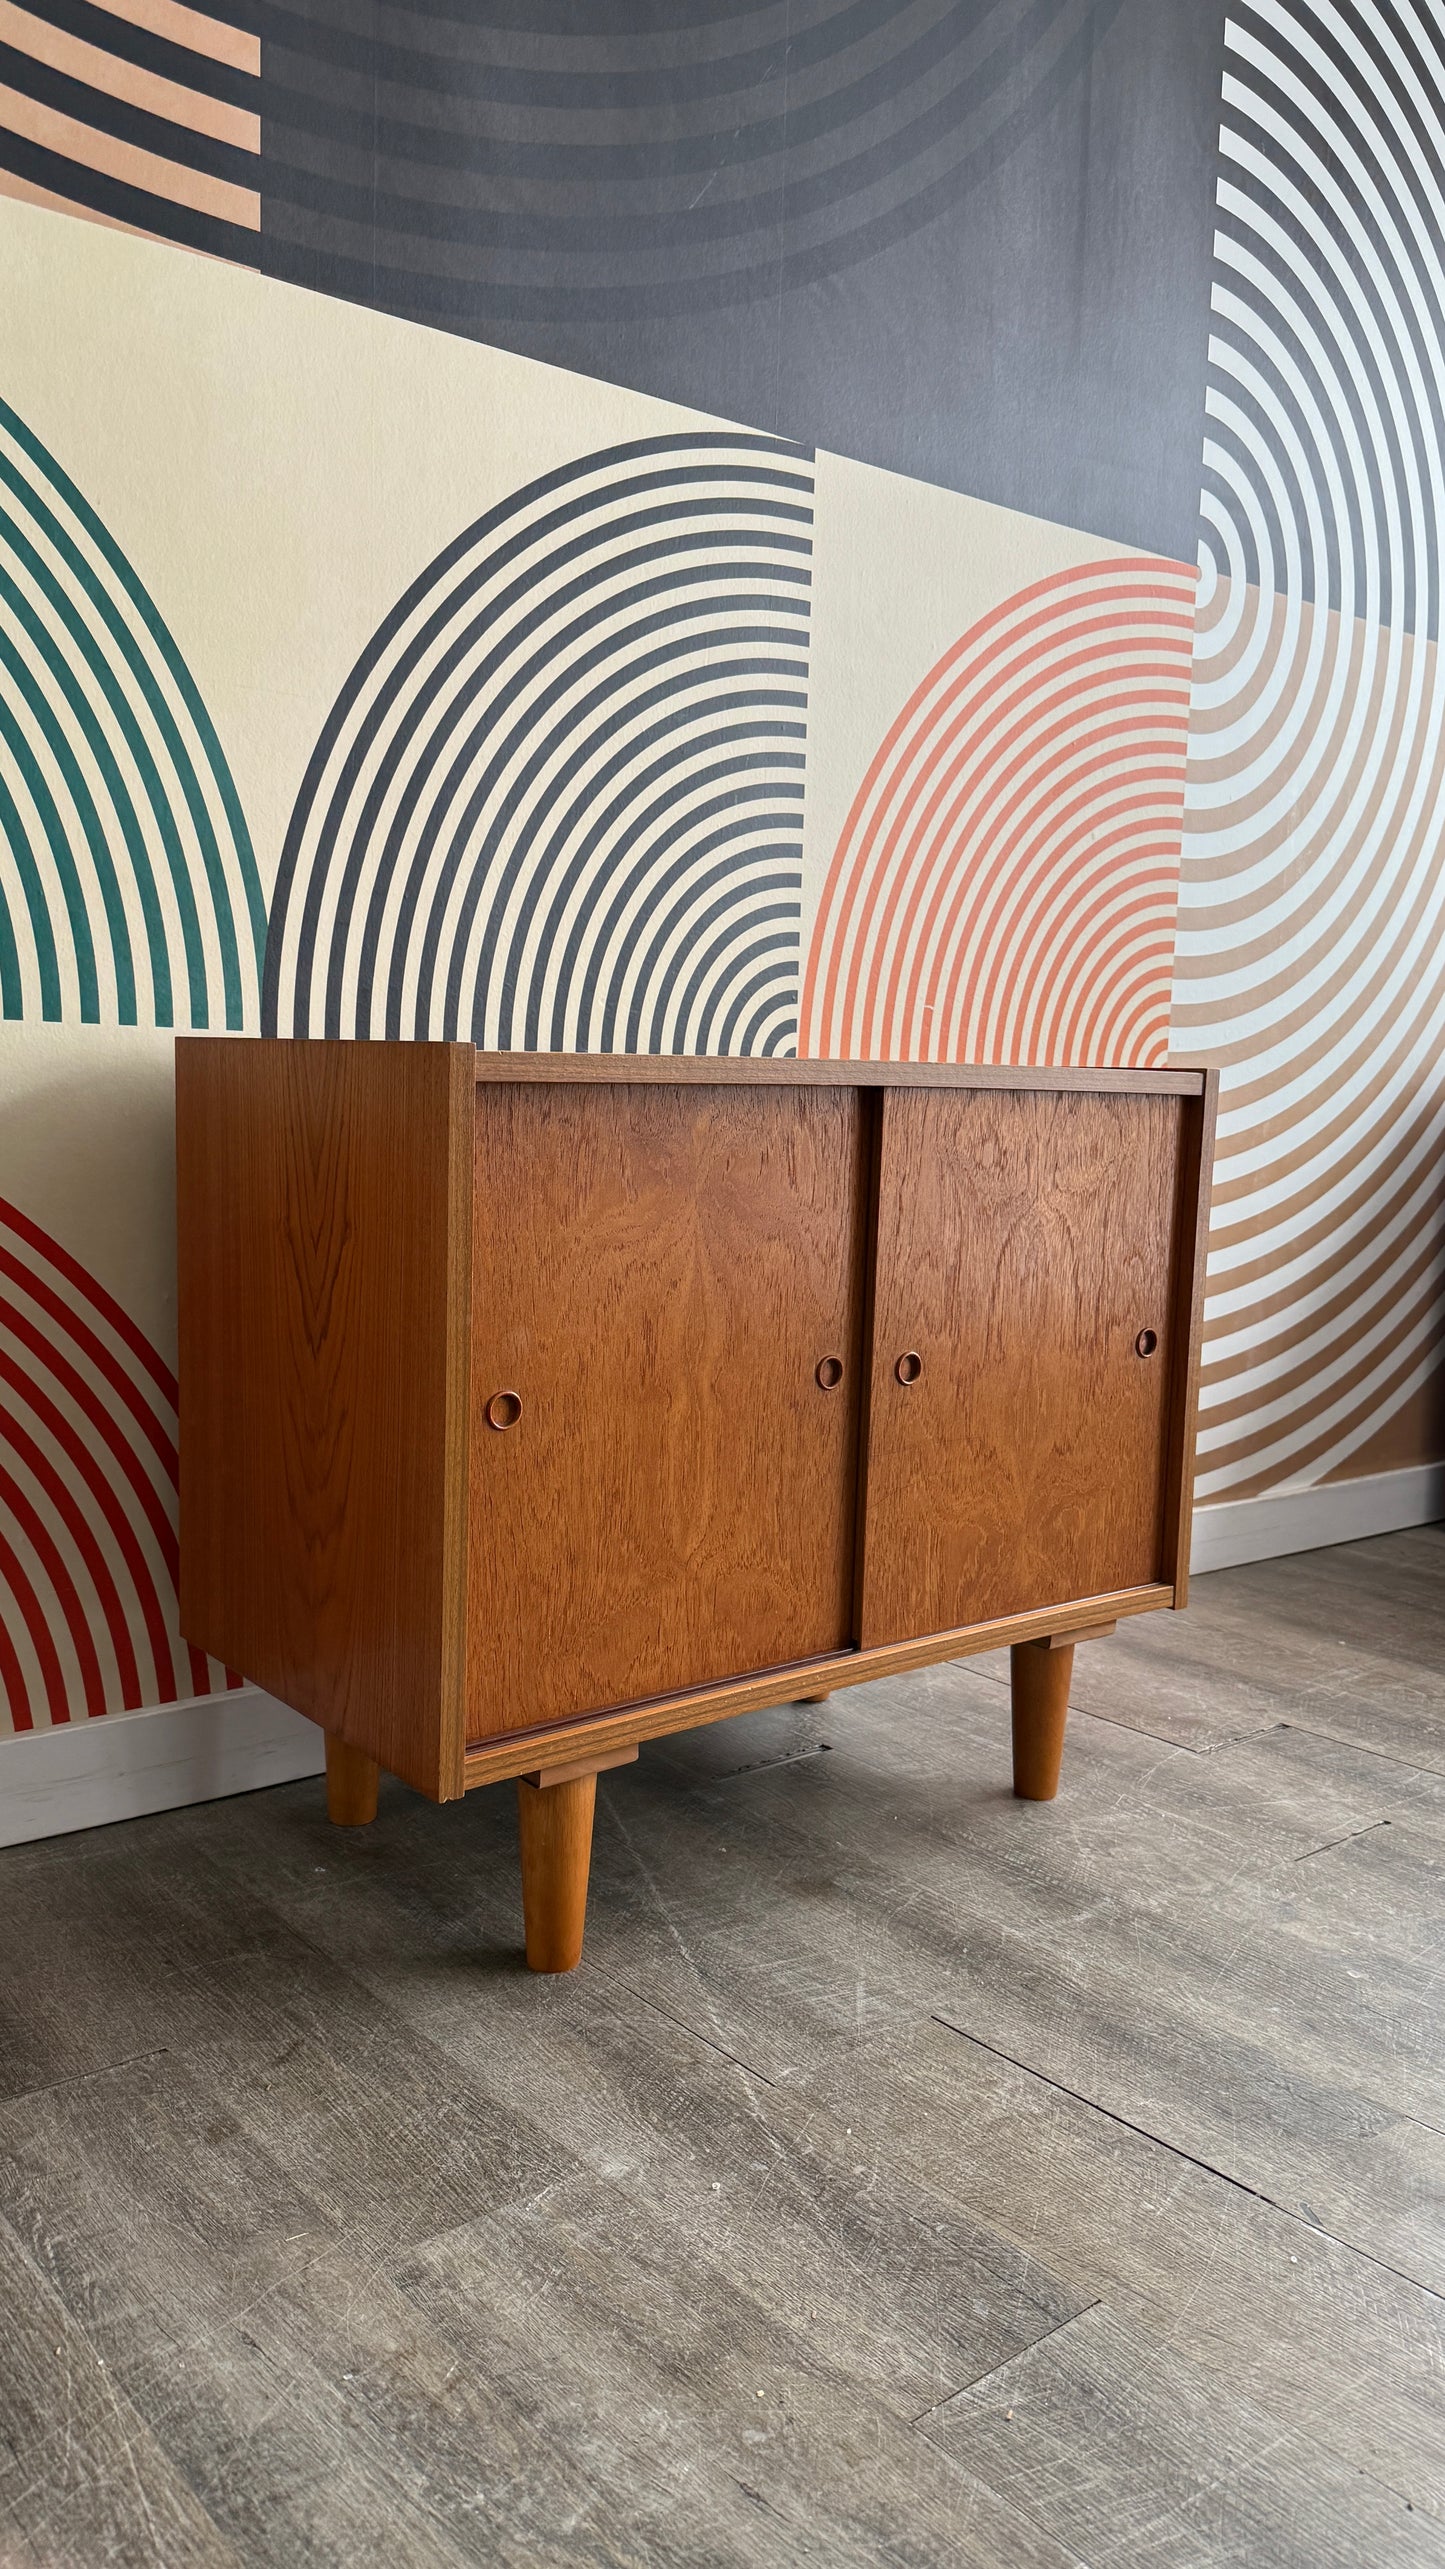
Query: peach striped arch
x=149 y=122
x=1004 y=888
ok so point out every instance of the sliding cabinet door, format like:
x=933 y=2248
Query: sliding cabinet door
x=1021 y=1353
x=666 y=1359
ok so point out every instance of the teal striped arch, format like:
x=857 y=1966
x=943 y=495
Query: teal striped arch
x=128 y=886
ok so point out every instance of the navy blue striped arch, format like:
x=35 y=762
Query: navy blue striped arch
x=558 y=803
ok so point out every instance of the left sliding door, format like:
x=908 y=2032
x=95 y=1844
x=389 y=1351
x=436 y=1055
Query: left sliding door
x=666 y=1298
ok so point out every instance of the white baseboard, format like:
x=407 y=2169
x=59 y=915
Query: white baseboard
x=1239 y=1530
x=87 y=1773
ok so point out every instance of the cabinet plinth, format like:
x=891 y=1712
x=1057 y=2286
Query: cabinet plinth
x=533 y=1407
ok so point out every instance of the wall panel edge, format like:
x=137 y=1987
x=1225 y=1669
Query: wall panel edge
x=1234 y=1531
x=84 y=1774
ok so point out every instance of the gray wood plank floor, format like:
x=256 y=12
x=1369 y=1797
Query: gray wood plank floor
x=908 y=2175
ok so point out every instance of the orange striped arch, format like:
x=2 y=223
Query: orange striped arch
x=1005 y=884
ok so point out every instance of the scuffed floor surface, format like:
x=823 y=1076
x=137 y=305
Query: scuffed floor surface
x=908 y=2175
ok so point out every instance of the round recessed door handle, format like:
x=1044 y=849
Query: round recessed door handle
x=504 y=1409
x=828 y=1373
x=909 y=1366
x=1146 y=1342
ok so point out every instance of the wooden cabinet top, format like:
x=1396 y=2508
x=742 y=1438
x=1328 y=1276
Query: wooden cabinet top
x=702 y=1070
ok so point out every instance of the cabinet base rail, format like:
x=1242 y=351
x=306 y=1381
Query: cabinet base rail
x=495 y=1761
x=556 y=1799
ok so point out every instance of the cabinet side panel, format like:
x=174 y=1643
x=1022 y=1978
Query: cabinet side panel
x=1196 y=1169
x=322 y=1347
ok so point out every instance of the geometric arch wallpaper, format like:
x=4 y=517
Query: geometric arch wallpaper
x=133 y=893
x=558 y=801
x=87 y=1497
x=1311 y=954
x=1004 y=888
x=910 y=533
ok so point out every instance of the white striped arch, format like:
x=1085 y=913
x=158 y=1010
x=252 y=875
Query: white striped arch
x=1312 y=925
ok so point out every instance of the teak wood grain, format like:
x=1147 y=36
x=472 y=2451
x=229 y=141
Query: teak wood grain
x=323 y=1193
x=588 y=1742
x=1017 y=1442
x=755 y=1070
x=658 y=1274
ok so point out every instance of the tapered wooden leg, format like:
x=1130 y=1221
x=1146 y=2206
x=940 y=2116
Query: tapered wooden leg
x=351 y=1781
x=1040 y=1672
x=556 y=1829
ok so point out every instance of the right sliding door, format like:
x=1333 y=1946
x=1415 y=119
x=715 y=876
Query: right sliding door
x=1021 y=1352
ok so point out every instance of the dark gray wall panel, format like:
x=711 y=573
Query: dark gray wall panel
x=965 y=239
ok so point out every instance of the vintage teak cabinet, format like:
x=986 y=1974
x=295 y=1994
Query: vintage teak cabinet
x=533 y=1406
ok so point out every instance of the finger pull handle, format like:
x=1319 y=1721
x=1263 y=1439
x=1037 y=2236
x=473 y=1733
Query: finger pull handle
x=504 y=1409
x=828 y=1373
x=909 y=1365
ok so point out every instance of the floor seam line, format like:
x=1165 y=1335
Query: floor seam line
x=1348 y=1839
x=1162 y=1739
x=1317 y=2229
x=766 y=1766
x=719 y=2049
x=84 y=2077
x=1413 y=1763
x=961 y=2389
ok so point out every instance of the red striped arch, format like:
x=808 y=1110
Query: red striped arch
x=1004 y=888
x=87 y=1498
